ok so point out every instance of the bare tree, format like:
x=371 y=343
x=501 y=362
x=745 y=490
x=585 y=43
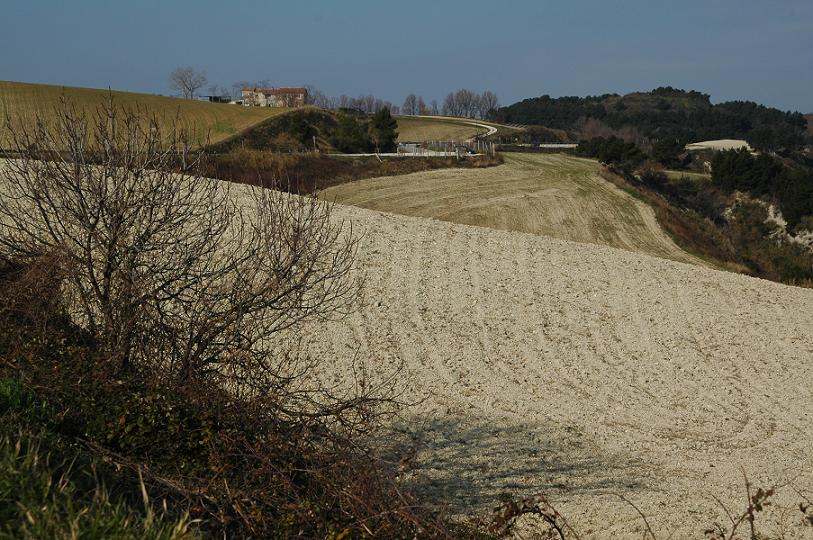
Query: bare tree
x=476 y=106
x=465 y=102
x=450 y=105
x=317 y=98
x=433 y=108
x=421 y=106
x=173 y=275
x=186 y=81
x=367 y=103
x=410 y=105
x=488 y=103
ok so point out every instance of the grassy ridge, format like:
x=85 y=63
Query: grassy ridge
x=218 y=120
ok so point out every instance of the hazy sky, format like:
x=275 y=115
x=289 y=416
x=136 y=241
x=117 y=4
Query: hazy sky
x=732 y=49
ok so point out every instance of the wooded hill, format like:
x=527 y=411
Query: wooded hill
x=663 y=113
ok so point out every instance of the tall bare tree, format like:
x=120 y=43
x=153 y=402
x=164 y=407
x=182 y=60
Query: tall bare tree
x=410 y=105
x=465 y=102
x=367 y=103
x=450 y=105
x=317 y=98
x=488 y=103
x=187 y=81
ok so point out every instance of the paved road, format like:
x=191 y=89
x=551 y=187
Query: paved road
x=490 y=130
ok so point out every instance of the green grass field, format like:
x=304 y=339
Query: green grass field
x=415 y=129
x=218 y=120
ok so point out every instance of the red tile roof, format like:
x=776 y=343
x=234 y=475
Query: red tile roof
x=277 y=91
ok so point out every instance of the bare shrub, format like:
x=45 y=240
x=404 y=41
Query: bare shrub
x=176 y=278
x=506 y=515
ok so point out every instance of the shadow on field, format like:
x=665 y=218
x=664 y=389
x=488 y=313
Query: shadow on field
x=467 y=465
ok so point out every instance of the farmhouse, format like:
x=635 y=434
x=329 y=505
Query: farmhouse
x=274 y=97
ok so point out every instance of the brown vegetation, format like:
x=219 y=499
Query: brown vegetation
x=306 y=173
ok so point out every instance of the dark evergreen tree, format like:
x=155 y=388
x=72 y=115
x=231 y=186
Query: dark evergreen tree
x=383 y=131
x=350 y=136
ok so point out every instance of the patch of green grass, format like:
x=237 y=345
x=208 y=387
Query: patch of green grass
x=49 y=489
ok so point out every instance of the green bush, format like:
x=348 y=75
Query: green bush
x=50 y=488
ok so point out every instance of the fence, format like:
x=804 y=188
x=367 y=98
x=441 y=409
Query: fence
x=446 y=148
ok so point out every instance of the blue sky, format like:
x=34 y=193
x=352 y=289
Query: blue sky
x=732 y=49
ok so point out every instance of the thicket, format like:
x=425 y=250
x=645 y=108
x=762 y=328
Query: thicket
x=613 y=151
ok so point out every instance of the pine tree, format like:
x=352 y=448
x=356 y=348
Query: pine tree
x=383 y=131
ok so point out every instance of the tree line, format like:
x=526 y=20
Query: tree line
x=463 y=103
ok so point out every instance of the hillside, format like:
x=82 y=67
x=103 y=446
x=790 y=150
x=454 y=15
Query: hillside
x=218 y=120
x=662 y=113
x=554 y=195
x=582 y=372
x=291 y=132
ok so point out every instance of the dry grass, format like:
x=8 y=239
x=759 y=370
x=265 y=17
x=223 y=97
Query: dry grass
x=220 y=121
x=721 y=144
x=549 y=194
x=688 y=174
